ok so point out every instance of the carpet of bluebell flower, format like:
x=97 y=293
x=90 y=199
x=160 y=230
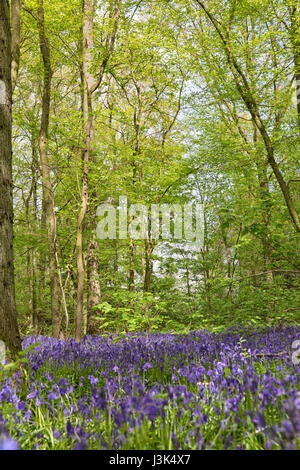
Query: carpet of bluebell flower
x=238 y=389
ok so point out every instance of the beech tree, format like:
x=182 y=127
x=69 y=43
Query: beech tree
x=9 y=332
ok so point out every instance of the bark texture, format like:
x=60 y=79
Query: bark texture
x=94 y=291
x=9 y=332
x=295 y=41
x=15 y=40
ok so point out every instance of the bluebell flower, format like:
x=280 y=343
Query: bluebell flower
x=8 y=444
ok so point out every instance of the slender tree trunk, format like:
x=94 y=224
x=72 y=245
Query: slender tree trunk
x=147 y=267
x=266 y=238
x=116 y=265
x=42 y=261
x=9 y=332
x=34 y=305
x=131 y=271
x=136 y=176
x=30 y=252
x=87 y=32
x=295 y=41
x=48 y=195
x=94 y=291
x=148 y=264
x=206 y=271
x=226 y=248
x=15 y=40
x=188 y=285
x=34 y=299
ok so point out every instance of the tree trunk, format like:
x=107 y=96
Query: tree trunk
x=48 y=195
x=31 y=224
x=116 y=265
x=131 y=272
x=267 y=238
x=188 y=285
x=148 y=265
x=87 y=31
x=9 y=332
x=34 y=298
x=42 y=262
x=206 y=271
x=94 y=291
x=15 y=40
x=295 y=41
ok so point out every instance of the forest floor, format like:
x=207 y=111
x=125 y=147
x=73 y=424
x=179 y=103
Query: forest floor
x=238 y=389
